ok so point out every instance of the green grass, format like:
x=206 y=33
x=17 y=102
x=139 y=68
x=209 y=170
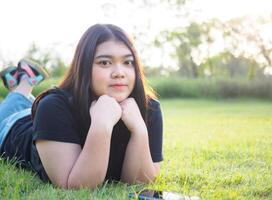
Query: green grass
x=212 y=149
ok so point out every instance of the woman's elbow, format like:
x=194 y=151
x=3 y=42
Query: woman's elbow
x=74 y=183
x=150 y=177
x=62 y=184
x=78 y=186
x=144 y=178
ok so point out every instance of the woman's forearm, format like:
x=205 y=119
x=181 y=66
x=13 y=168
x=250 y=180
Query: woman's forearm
x=91 y=166
x=138 y=165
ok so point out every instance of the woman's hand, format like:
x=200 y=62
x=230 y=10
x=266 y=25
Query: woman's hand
x=105 y=111
x=131 y=115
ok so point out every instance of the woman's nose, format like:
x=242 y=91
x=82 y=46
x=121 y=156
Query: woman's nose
x=118 y=72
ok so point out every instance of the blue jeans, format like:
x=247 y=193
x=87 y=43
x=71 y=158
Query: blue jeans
x=15 y=106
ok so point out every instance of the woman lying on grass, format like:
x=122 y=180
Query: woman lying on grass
x=99 y=124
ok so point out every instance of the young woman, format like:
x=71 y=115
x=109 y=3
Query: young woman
x=99 y=124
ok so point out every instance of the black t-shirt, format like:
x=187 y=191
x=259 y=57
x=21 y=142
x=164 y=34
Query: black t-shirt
x=56 y=119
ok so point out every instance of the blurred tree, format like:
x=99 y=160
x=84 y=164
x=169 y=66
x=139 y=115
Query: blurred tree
x=186 y=42
x=209 y=28
x=58 y=68
x=34 y=53
x=48 y=59
x=228 y=65
x=247 y=37
x=242 y=41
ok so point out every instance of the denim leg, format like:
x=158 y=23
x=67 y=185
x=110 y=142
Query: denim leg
x=13 y=103
x=9 y=121
x=14 y=107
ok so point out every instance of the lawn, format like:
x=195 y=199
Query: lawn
x=212 y=149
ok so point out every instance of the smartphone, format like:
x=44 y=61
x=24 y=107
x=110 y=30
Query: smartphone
x=159 y=195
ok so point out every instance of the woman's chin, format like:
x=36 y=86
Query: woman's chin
x=119 y=98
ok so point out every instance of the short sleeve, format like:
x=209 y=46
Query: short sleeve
x=54 y=120
x=155 y=130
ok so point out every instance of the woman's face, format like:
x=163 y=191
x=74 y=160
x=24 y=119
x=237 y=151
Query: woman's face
x=113 y=71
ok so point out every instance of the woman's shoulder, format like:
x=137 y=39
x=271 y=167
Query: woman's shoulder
x=153 y=104
x=154 y=109
x=154 y=115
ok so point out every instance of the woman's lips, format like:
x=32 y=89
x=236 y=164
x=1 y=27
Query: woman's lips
x=118 y=86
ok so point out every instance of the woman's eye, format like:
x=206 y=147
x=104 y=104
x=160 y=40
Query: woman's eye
x=104 y=62
x=129 y=62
